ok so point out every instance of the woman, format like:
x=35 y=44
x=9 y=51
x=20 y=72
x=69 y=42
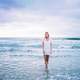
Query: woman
x=47 y=48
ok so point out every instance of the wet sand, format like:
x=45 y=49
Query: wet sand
x=23 y=67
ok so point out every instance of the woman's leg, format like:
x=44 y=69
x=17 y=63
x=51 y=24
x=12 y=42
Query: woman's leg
x=46 y=57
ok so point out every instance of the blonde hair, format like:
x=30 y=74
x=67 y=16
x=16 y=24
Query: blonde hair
x=47 y=34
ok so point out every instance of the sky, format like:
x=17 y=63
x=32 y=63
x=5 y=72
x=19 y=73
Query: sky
x=31 y=18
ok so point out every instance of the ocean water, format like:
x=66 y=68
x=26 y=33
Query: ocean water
x=22 y=59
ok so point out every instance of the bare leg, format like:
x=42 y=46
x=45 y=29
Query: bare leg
x=46 y=65
x=46 y=61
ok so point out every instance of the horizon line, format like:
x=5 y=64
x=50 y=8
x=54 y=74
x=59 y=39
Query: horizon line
x=61 y=38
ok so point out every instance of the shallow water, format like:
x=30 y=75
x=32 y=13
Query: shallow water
x=32 y=68
x=20 y=60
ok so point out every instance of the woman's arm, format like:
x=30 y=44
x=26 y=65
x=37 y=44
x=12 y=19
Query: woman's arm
x=51 y=47
x=43 y=47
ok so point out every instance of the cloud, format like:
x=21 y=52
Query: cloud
x=72 y=4
x=34 y=17
x=26 y=24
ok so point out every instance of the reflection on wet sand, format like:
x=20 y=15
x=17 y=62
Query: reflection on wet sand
x=46 y=74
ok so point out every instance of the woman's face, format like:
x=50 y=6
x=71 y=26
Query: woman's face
x=46 y=35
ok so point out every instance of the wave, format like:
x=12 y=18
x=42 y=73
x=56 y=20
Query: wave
x=27 y=45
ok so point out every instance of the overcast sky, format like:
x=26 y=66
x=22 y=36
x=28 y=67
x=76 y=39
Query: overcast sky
x=31 y=18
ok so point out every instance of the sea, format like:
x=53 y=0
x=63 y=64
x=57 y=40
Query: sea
x=22 y=59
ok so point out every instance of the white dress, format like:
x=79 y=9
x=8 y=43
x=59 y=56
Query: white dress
x=47 y=46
